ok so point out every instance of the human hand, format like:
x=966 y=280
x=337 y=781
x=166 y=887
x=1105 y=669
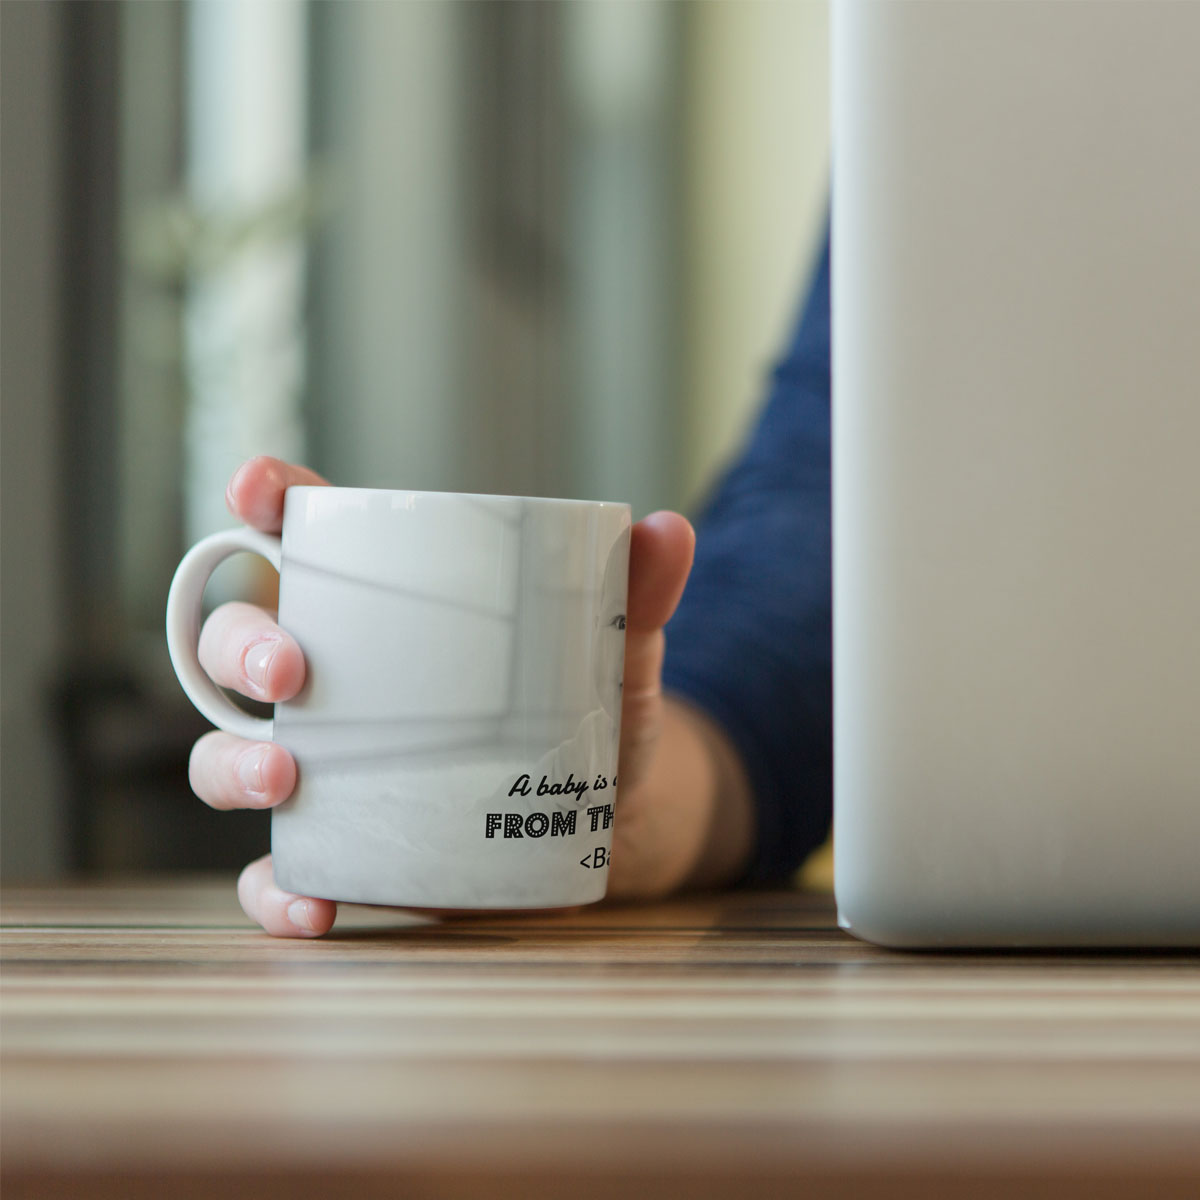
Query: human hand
x=241 y=647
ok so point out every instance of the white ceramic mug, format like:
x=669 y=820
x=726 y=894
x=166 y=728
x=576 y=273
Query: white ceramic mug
x=456 y=736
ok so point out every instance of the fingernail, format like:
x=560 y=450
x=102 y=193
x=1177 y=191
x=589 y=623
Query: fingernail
x=300 y=914
x=257 y=662
x=249 y=769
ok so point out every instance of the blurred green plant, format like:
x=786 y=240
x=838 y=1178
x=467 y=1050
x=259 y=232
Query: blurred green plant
x=174 y=242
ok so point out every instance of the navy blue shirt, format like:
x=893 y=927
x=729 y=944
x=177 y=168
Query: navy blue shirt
x=751 y=641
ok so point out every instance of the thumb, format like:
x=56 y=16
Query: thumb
x=660 y=557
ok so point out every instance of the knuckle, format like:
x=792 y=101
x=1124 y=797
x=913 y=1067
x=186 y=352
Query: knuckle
x=249 y=882
x=200 y=762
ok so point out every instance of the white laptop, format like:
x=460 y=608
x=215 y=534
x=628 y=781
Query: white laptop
x=1016 y=456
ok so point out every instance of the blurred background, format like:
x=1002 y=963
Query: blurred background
x=501 y=246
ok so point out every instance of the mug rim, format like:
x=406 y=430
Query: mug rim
x=548 y=500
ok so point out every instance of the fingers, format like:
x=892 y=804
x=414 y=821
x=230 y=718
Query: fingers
x=660 y=557
x=242 y=648
x=280 y=913
x=255 y=493
x=228 y=772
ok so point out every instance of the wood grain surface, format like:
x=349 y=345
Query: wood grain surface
x=156 y=1044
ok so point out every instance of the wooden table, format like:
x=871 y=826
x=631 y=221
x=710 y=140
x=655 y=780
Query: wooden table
x=155 y=1045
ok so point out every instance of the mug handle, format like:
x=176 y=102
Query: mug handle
x=183 y=626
